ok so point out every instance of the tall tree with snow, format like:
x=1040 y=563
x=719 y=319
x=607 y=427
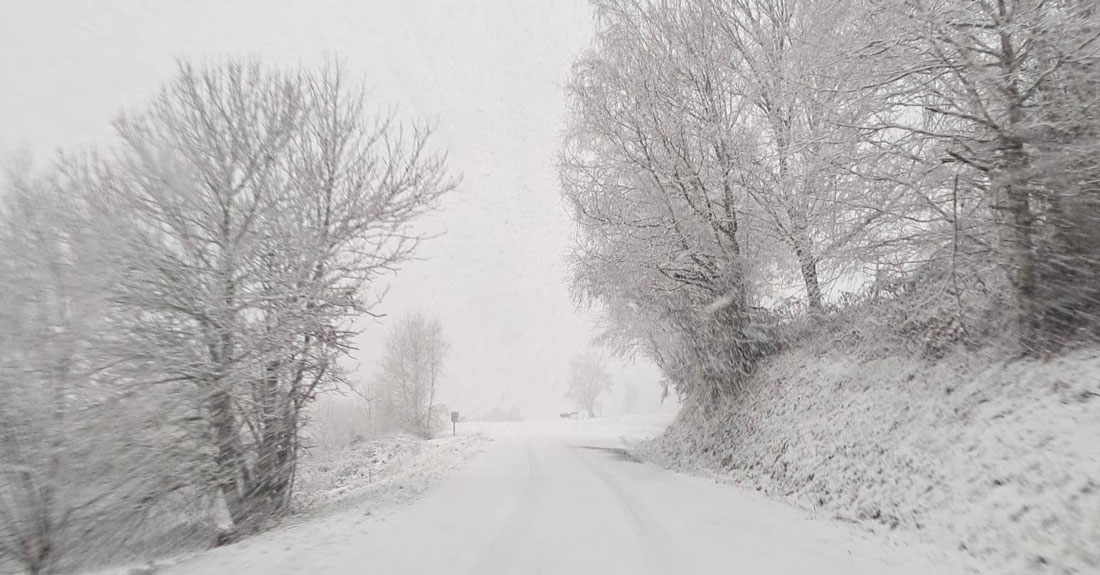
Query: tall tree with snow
x=261 y=205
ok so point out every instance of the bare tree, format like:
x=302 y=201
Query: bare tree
x=797 y=70
x=647 y=172
x=410 y=373
x=1005 y=89
x=716 y=147
x=710 y=146
x=46 y=327
x=261 y=205
x=588 y=380
x=80 y=457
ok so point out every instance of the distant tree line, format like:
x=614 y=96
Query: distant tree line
x=171 y=305
x=743 y=170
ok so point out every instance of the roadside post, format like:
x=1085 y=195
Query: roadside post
x=454 y=421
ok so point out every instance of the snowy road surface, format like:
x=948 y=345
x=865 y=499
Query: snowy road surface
x=566 y=503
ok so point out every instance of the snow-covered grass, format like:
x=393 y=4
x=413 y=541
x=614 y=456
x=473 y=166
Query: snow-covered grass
x=997 y=459
x=385 y=470
x=339 y=488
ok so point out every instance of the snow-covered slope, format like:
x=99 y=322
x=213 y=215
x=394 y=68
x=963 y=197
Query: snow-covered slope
x=382 y=471
x=1000 y=460
x=335 y=494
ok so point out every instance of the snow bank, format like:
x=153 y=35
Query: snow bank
x=1000 y=460
x=335 y=494
x=396 y=468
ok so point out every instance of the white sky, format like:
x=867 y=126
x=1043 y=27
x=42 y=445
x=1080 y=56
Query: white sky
x=488 y=71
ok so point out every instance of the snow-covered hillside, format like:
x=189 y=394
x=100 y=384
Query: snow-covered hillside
x=1000 y=460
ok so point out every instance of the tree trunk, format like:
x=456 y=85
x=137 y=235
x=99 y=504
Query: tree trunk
x=270 y=495
x=1012 y=196
x=1022 y=263
x=1012 y=192
x=803 y=246
x=807 y=263
x=233 y=477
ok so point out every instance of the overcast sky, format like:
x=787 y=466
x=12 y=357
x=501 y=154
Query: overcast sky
x=489 y=72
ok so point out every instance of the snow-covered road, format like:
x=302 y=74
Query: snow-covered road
x=566 y=503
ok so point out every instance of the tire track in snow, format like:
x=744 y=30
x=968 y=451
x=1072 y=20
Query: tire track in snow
x=655 y=543
x=503 y=553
